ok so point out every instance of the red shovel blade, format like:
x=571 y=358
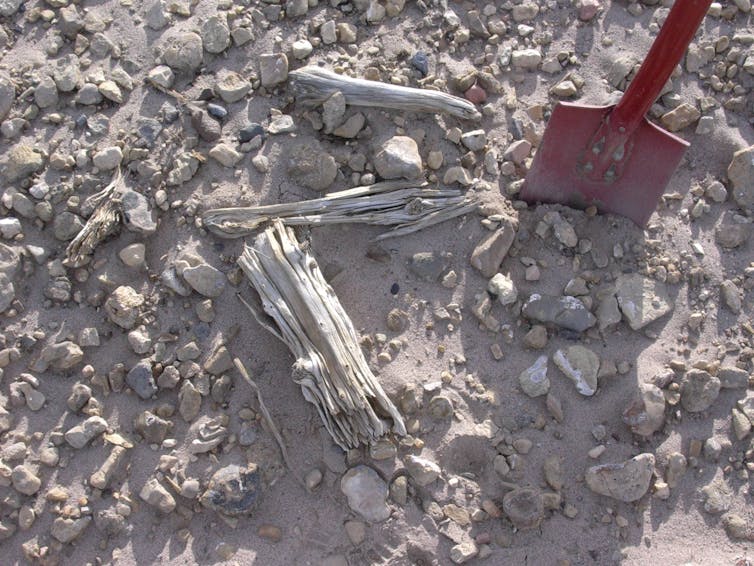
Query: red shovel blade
x=557 y=172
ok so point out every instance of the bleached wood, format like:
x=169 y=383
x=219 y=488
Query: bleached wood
x=304 y=312
x=313 y=85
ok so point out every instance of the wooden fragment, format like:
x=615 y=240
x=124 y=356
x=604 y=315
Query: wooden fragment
x=299 y=307
x=313 y=85
x=402 y=204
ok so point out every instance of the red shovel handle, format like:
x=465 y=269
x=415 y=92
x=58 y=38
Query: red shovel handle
x=666 y=51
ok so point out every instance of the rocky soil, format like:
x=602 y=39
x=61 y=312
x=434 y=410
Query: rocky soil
x=576 y=390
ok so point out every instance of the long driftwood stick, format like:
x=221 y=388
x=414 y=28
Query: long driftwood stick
x=313 y=85
x=304 y=312
x=392 y=203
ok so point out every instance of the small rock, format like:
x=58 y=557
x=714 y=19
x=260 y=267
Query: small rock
x=680 y=117
x=526 y=58
x=189 y=401
x=24 y=480
x=183 y=52
x=503 y=287
x=152 y=428
x=301 y=49
x=398 y=158
x=215 y=33
x=427 y=265
x=141 y=379
x=19 y=162
x=566 y=312
x=108 y=158
x=233 y=490
x=420 y=62
x=63 y=355
x=81 y=434
x=133 y=255
x=207 y=127
x=731 y=296
x=273 y=68
x=646 y=414
x=717 y=497
x=699 y=390
x=463 y=552
x=741 y=176
x=553 y=472
x=732 y=377
x=67 y=225
x=366 y=493
x=474 y=140
x=232 y=87
x=161 y=75
x=79 y=397
x=475 y=94
x=123 y=306
x=205 y=280
x=421 y=470
x=46 y=93
x=676 y=469
x=524 y=507
x=66 y=530
x=491 y=251
x=626 y=482
x=137 y=214
x=731 y=233
x=642 y=300
x=225 y=155
x=157 y=496
x=533 y=380
x=737 y=527
x=309 y=165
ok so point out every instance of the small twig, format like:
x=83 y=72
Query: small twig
x=265 y=413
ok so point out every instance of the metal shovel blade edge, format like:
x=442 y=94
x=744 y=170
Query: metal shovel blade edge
x=555 y=176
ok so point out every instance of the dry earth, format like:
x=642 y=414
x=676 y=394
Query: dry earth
x=136 y=341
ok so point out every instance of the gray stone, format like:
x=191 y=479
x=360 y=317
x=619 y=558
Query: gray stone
x=219 y=362
x=10 y=227
x=151 y=427
x=9 y=8
x=296 y=8
x=676 y=469
x=7 y=292
x=427 y=265
x=205 y=280
x=111 y=91
x=580 y=365
x=398 y=158
x=463 y=552
x=741 y=176
x=741 y=424
x=137 y=214
x=141 y=379
x=81 y=434
x=626 y=482
x=273 y=69
x=154 y=494
x=225 y=154
x=108 y=158
x=474 y=140
x=123 y=306
x=65 y=529
x=63 y=355
x=718 y=497
x=489 y=254
x=737 y=527
x=207 y=127
x=102 y=477
x=67 y=73
x=699 y=390
x=232 y=87
x=302 y=48
x=421 y=470
x=70 y=21
x=183 y=52
x=7 y=91
x=533 y=380
x=746 y=406
x=333 y=111
x=642 y=300
x=524 y=507
x=133 y=254
x=526 y=58
x=646 y=414
x=309 y=165
x=680 y=117
x=88 y=95
x=20 y=161
x=79 y=397
x=351 y=127
x=566 y=312
x=189 y=401
x=366 y=492
x=733 y=231
x=46 y=93
x=731 y=296
x=282 y=125
x=233 y=490
x=24 y=480
x=161 y=75
x=67 y=225
x=157 y=17
x=732 y=377
x=215 y=33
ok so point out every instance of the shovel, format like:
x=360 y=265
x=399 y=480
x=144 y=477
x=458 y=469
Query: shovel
x=612 y=157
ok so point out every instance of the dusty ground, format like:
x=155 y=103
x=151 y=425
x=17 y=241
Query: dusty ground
x=492 y=418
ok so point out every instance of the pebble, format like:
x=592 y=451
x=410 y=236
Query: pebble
x=309 y=165
x=282 y=125
x=66 y=530
x=151 y=427
x=137 y=213
x=111 y=91
x=63 y=355
x=737 y=527
x=19 y=162
x=123 y=306
x=80 y=435
x=489 y=254
x=398 y=158
x=680 y=117
x=420 y=62
x=741 y=176
x=205 y=280
x=207 y=127
x=7 y=93
x=733 y=231
x=474 y=140
x=301 y=49
x=233 y=490
x=503 y=288
x=731 y=296
x=421 y=470
x=642 y=300
x=732 y=377
x=428 y=266
x=524 y=507
x=108 y=158
x=366 y=493
x=67 y=225
x=463 y=552
x=273 y=69
x=24 y=480
x=133 y=255
x=580 y=365
x=79 y=397
x=646 y=414
x=528 y=59
x=627 y=481
x=46 y=93
x=215 y=33
x=225 y=155
x=88 y=95
x=676 y=469
x=718 y=497
x=141 y=379
x=162 y=75
x=183 y=52
x=533 y=380
x=699 y=390
x=566 y=312
x=189 y=401
x=232 y=87
x=101 y=478
x=154 y=494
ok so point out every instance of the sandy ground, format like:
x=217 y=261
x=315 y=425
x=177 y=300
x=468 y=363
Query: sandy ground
x=583 y=527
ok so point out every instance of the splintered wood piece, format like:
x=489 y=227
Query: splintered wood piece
x=304 y=312
x=402 y=204
x=103 y=221
x=313 y=85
